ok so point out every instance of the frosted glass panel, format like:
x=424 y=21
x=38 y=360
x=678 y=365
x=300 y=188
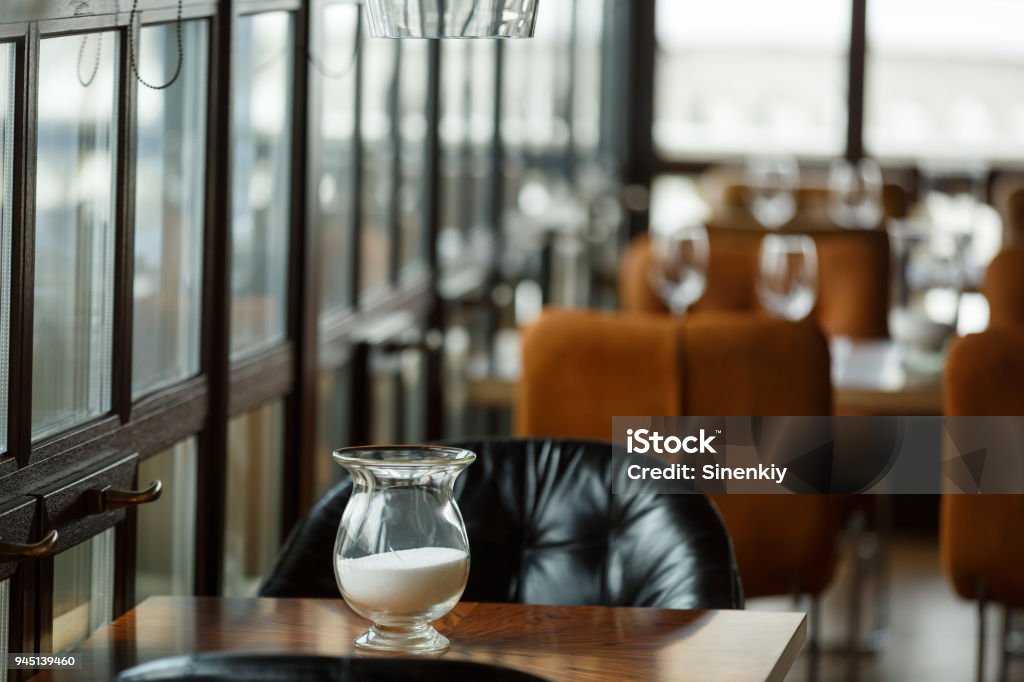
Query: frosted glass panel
x=589 y=65
x=537 y=82
x=255 y=463
x=379 y=61
x=261 y=184
x=74 y=249
x=333 y=424
x=169 y=208
x=83 y=590
x=737 y=77
x=167 y=528
x=412 y=135
x=336 y=188
x=467 y=133
x=944 y=81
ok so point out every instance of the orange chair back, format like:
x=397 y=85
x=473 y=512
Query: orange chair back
x=982 y=546
x=1004 y=288
x=580 y=369
x=853 y=278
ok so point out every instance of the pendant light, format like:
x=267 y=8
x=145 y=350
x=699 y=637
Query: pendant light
x=451 y=18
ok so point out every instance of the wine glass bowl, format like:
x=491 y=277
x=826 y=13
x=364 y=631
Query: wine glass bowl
x=788 y=276
x=929 y=273
x=401 y=558
x=855 y=194
x=679 y=263
x=771 y=187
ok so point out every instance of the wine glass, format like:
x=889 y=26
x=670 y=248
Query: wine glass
x=788 y=280
x=772 y=183
x=927 y=281
x=679 y=265
x=855 y=194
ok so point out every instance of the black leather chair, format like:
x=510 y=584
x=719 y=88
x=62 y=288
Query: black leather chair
x=544 y=528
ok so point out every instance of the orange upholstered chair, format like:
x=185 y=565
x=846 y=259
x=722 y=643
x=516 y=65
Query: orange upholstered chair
x=982 y=545
x=725 y=187
x=1004 y=288
x=1008 y=199
x=853 y=278
x=582 y=368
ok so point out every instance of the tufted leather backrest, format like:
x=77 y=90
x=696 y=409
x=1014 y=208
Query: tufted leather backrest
x=544 y=528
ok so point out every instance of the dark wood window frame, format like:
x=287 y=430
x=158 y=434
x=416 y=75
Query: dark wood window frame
x=200 y=406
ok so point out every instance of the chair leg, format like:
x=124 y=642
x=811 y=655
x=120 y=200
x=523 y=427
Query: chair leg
x=854 y=643
x=814 y=639
x=982 y=603
x=880 y=569
x=1004 y=645
x=1015 y=638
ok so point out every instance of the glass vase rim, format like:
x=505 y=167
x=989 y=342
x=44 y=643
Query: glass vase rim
x=433 y=455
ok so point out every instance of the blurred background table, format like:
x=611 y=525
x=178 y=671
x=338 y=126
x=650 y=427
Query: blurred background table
x=555 y=642
x=867 y=378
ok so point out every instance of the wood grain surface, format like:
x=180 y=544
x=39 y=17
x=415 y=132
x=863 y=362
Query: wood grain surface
x=556 y=642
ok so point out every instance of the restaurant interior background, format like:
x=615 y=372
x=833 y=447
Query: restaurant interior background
x=312 y=239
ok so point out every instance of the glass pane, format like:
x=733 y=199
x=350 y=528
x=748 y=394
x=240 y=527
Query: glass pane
x=74 y=256
x=169 y=208
x=379 y=59
x=255 y=462
x=262 y=180
x=5 y=617
x=736 y=77
x=465 y=245
x=590 y=65
x=385 y=393
x=337 y=75
x=165 y=549
x=944 y=80
x=333 y=411
x=6 y=192
x=414 y=397
x=83 y=590
x=536 y=83
x=412 y=130
x=467 y=131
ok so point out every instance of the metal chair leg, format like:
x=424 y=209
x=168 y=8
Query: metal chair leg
x=814 y=639
x=880 y=568
x=854 y=606
x=1015 y=638
x=1004 y=645
x=982 y=603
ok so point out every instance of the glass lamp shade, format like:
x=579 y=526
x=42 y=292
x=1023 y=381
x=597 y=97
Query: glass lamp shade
x=451 y=18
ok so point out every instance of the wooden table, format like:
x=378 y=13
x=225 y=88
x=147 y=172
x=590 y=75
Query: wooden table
x=867 y=378
x=555 y=642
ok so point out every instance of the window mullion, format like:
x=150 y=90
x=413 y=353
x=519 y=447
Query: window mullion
x=857 y=59
x=124 y=245
x=23 y=246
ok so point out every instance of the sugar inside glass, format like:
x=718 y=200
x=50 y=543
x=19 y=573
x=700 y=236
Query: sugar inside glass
x=402 y=555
